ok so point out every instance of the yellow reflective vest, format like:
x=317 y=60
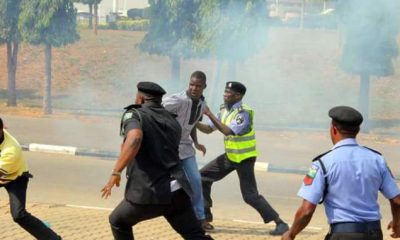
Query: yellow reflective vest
x=12 y=162
x=239 y=148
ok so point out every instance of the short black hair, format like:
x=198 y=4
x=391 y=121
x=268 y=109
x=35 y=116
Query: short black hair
x=345 y=129
x=199 y=75
x=1 y=124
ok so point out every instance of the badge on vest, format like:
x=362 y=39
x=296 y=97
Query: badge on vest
x=239 y=119
x=312 y=172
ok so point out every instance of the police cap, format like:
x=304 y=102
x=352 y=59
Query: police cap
x=236 y=87
x=346 y=115
x=151 y=88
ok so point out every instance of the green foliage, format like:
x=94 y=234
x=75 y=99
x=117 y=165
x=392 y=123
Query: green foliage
x=88 y=1
x=135 y=13
x=231 y=29
x=9 y=12
x=370 y=31
x=129 y=25
x=48 y=22
x=172 y=28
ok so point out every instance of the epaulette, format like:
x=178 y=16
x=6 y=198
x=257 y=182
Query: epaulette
x=240 y=108
x=321 y=155
x=222 y=106
x=373 y=150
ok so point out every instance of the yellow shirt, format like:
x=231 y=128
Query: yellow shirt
x=12 y=162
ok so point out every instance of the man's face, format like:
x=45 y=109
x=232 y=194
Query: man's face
x=231 y=97
x=196 y=88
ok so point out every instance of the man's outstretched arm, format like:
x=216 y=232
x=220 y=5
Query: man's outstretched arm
x=217 y=123
x=302 y=218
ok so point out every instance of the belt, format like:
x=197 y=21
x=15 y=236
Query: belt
x=356 y=227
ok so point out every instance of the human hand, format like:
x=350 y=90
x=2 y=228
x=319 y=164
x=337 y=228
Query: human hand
x=201 y=148
x=395 y=229
x=106 y=190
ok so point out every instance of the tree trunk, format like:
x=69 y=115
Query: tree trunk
x=47 y=108
x=363 y=101
x=303 y=9
x=12 y=54
x=90 y=16
x=96 y=17
x=175 y=68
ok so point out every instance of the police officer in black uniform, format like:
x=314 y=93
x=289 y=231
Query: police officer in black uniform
x=156 y=184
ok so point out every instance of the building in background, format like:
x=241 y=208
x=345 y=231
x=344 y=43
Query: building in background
x=110 y=7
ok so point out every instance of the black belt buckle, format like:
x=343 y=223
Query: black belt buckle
x=355 y=227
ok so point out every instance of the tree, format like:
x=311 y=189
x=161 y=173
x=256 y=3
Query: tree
x=231 y=31
x=51 y=23
x=171 y=31
x=9 y=34
x=90 y=5
x=370 y=31
x=93 y=4
x=96 y=14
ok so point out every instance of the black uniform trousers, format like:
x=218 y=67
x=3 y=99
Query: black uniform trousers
x=17 y=193
x=221 y=167
x=179 y=214
x=375 y=235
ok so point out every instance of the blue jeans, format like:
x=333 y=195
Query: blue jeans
x=192 y=171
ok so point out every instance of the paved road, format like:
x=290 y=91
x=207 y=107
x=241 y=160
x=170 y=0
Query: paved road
x=63 y=179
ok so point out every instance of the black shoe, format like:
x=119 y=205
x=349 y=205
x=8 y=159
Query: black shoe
x=209 y=216
x=280 y=229
x=206 y=226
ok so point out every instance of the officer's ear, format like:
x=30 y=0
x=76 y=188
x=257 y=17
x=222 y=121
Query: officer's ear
x=139 y=98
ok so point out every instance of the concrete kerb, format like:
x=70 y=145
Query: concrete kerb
x=69 y=150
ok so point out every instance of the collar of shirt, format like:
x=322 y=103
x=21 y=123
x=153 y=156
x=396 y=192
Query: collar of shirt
x=188 y=96
x=346 y=141
x=151 y=104
x=234 y=106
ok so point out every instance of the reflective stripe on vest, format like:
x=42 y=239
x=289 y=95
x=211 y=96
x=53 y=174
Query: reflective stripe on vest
x=239 y=148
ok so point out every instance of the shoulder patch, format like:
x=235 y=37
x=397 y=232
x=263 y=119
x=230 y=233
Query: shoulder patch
x=127 y=116
x=312 y=172
x=239 y=119
x=321 y=155
x=373 y=150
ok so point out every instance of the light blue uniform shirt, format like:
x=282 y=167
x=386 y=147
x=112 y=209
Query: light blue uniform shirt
x=355 y=175
x=241 y=123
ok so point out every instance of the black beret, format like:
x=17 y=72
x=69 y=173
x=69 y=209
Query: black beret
x=151 y=88
x=346 y=115
x=236 y=87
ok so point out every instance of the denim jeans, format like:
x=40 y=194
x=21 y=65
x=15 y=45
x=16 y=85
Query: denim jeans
x=192 y=171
